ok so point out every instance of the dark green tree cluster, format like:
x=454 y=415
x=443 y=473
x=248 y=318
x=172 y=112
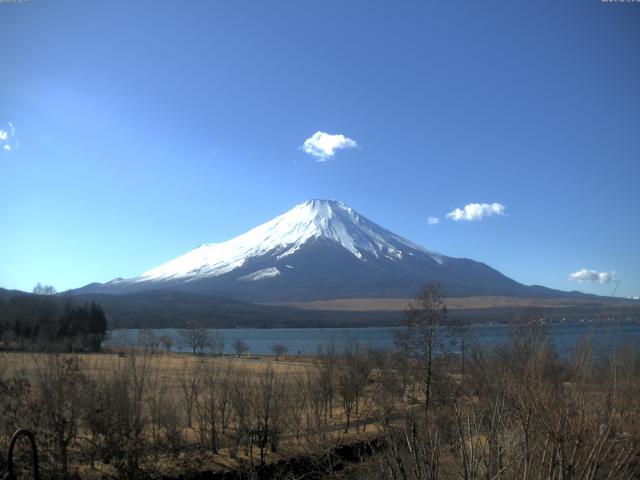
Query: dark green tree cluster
x=45 y=320
x=85 y=325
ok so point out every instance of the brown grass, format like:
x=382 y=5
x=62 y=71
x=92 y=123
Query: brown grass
x=172 y=367
x=453 y=303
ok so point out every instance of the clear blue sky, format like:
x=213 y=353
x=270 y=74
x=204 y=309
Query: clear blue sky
x=143 y=129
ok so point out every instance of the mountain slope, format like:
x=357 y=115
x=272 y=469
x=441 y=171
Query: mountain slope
x=171 y=309
x=320 y=249
x=283 y=237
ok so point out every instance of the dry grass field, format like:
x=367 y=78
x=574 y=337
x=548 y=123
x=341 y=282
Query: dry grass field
x=180 y=383
x=171 y=366
x=457 y=303
x=146 y=414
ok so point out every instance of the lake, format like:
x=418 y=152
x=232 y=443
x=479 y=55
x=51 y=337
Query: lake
x=307 y=340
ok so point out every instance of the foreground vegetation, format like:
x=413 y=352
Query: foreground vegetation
x=512 y=411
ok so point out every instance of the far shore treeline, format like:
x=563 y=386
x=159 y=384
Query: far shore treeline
x=46 y=321
x=46 y=317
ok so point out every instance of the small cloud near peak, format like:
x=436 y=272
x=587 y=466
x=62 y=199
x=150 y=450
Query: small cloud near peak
x=593 y=276
x=433 y=220
x=322 y=145
x=476 y=211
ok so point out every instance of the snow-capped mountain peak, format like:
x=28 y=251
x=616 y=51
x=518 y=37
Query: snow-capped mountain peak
x=320 y=249
x=283 y=236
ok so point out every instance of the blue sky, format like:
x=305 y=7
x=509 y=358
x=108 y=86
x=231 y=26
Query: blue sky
x=143 y=129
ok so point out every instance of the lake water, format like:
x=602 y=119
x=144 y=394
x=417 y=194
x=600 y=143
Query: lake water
x=307 y=340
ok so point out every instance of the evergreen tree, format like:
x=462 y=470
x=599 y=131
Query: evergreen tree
x=97 y=325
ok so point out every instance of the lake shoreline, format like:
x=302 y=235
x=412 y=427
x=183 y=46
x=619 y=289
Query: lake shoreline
x=305 y=341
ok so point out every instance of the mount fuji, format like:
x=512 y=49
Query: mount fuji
x=319 y=250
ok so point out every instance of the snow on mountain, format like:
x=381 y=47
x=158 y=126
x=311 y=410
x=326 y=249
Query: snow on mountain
x=320 y=249
x=260 y=275
x=285 y=235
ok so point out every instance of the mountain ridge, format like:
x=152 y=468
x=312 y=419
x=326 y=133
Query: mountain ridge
x=319 y=249
x=174 y=309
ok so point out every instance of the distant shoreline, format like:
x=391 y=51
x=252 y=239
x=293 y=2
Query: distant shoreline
x=457 y=303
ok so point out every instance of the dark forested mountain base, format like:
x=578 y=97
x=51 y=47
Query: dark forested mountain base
x=51 y=322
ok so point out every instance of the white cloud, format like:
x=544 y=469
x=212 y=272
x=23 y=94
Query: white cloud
x=433 y=220
x=586 y=275
x=476 y=211
x=7 y=138
x=323 y=146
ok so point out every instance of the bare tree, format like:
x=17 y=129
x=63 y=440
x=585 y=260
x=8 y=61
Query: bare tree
x=269 y=401
x=224 y=389
x=316 y=403
x=239 y=401
x=159 y=405
x=544 y=419
x=353 y=375
x=420 y=338
x=387 y=389
x=117 y=416
x=190 y=385
x=218 y=342
x=279 y=349
x=207 y=403
x=59 y=386
x=148 y=341
x=167 y=343
x=17 y=410
x=240 y=347
x=326 y=367
x=40 y=289
x=197 y=339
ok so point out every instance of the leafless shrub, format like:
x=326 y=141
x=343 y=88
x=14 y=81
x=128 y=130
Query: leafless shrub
x=269 y=404
x=240 y=347
x=208 y=401
x=167 y=343
x=352 y=378
x=16 y=408
x=421 y=339
x=190 y=383
x=278 y=350
x=120 y=422
x=198 y=340
x=148 y=341
x=59 y=383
